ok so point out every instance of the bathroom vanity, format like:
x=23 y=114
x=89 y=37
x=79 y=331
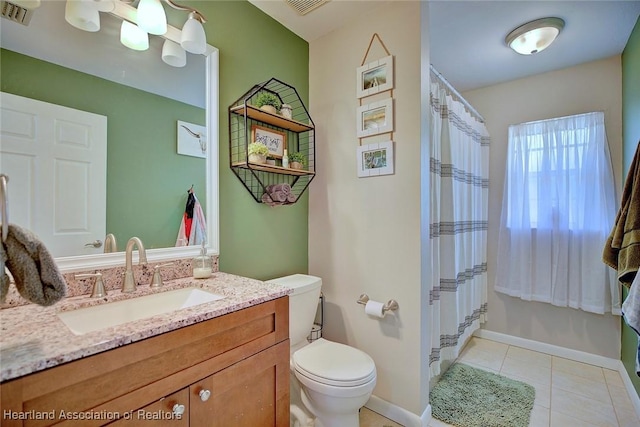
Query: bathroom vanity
x=222 y=363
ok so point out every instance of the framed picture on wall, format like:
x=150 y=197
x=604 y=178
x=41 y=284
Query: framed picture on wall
x=275 y=140
x=375 y=77
x=375 y=118
x=375 y=159
x=192 y=139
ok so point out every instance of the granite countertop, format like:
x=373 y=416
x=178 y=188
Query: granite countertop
x=34 y=338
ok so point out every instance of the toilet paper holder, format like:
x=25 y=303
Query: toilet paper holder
x=391 y=305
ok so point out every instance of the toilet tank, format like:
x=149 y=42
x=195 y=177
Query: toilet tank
x=303 y=303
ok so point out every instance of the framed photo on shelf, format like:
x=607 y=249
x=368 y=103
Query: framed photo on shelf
x=375 y=77
x=275 y=140
x=375 y=159
x=375 y=118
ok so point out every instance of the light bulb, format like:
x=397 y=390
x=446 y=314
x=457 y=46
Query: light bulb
x=534 y=41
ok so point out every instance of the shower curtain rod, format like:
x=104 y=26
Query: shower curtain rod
x=453 y=90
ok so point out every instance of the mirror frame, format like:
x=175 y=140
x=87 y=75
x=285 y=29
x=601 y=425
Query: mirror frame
x=89 y=262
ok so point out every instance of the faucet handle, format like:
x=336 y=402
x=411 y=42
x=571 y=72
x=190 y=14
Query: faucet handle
x=99 y=290
x=156 y=280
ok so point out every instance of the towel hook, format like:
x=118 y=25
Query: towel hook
x=4 y=206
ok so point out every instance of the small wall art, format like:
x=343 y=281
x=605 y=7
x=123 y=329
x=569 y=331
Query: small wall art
x=375 y=159
x=375 y=118
x=375 y=77
x=275 y=140
x=192 y=139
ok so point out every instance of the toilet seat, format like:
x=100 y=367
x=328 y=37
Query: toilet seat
x=334 y=364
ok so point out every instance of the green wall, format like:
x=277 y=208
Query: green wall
x=255 y=240
x=631 y=137
x=146 y=179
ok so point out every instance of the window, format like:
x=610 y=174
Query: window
x=553 y=167
x=558 y=209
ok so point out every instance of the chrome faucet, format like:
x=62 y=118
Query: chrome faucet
x=129 y=284
x=110 y=244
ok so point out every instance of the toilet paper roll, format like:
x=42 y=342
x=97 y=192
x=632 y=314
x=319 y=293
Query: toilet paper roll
x=374 y=308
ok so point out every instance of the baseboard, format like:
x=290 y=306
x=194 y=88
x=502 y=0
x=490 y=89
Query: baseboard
x=578 y=356
x=554 y=350
x=426 y=416
x=631 y=390
x=398 y=414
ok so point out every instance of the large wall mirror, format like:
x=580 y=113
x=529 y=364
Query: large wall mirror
x=143 y=100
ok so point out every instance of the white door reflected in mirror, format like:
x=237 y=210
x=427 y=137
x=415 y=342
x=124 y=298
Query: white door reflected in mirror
x=57 y=160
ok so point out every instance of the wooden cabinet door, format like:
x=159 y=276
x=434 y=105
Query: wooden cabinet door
x=252 y=392
x=163 y=413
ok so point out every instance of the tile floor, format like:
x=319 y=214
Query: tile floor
x=568 y=393
x=368 y=418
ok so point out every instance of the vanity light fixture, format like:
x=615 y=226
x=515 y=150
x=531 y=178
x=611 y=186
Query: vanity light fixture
x=534 y=36
x=173 y=54
x=133 y=37
x=148 y=18
x=151 y=17
x=104 y=5
x=193 y=38
x=83 y=15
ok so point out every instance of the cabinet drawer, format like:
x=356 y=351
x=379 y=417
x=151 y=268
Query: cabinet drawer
x=170 y=411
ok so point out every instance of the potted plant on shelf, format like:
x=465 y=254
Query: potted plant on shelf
x=297 y=160
x=271 y=161
x=257 y=152
x=268 y=102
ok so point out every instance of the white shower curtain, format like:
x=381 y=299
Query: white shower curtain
x=458 y=225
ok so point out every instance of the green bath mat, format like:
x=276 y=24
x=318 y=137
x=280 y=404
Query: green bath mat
x=470 y=397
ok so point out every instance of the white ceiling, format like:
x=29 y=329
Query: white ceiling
x=467 y=37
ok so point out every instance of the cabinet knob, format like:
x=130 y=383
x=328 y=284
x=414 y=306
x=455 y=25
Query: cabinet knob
x=178 y=409
x=204 y=395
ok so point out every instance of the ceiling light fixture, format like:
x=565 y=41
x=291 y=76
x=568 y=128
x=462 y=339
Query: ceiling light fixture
x=534 y=36
x=148 y=18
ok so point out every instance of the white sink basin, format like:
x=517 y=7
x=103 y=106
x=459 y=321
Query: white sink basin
x=102 y=316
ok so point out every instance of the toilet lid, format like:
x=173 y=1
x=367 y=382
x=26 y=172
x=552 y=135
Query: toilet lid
x=334 y=364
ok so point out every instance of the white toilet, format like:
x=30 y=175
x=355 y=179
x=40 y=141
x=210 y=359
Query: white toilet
x=332 y=381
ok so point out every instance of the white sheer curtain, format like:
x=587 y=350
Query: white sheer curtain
x=558 y=209
x=458 y=225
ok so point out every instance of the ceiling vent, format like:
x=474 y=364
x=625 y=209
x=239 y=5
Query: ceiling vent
x=305 y=6
x=19 y=11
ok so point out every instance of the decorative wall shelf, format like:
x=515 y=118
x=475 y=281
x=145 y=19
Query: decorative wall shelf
x=273 y=169
x=298 y=131
x=263 y=116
